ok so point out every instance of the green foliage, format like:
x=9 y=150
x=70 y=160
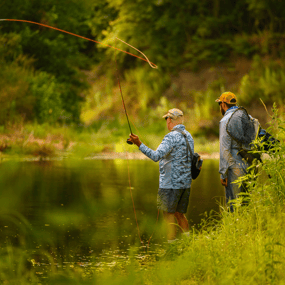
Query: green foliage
x=46 y=91
x=16 y=102
x=141 y=89
x=57 y=54
x=43 y=78
x=268 y=14
x=242 y=44
x=10 y=47
x=152 y=23
x=273 y=84
x=264 y=81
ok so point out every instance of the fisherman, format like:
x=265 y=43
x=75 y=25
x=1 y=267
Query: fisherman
x=232 y=165
x=175 y=172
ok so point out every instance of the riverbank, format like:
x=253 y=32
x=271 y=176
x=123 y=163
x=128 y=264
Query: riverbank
x=44 y=142
x=139 y=155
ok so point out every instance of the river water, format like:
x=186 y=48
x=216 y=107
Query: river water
x=80 y=208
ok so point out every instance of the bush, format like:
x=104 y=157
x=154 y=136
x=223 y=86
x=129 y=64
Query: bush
x=45 y=90
x=17 y=103
x=265 y=81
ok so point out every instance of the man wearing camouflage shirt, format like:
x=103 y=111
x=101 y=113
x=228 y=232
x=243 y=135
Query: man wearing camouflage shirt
x=175 y=171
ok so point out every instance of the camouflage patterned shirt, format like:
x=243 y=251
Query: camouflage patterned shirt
x=175 y=171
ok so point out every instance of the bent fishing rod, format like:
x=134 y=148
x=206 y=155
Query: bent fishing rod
x=88 y=39
x=76 y=35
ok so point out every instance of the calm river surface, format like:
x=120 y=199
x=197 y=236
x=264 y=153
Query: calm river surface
x=84 y=207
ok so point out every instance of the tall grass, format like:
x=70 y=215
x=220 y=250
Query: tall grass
x=244 y=247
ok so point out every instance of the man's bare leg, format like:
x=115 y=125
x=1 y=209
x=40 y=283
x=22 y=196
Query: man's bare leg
x=182 y=221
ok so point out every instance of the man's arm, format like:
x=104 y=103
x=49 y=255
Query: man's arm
x=225 y=153
x=163 y=149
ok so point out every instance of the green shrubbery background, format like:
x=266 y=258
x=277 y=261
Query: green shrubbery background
x=48 y=77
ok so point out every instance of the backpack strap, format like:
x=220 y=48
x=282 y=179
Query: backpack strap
x=237 y=141
x=187 y=143
x=243 y=151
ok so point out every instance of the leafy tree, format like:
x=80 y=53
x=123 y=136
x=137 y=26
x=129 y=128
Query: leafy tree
x=48 y=105
x=56 y=53
x=268 y=14
x=167 y=30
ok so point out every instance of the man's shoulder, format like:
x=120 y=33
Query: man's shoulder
x=226 y=117
x=176 y=133
x=169 y=137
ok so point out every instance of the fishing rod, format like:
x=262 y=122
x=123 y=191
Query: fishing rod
x=76 y=35
x=128 y=140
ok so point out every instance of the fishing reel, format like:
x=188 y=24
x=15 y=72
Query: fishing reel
x=129 y=142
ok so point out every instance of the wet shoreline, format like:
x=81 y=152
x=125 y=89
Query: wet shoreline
x=139 y=155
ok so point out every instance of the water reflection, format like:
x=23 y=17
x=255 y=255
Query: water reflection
x=78 y=209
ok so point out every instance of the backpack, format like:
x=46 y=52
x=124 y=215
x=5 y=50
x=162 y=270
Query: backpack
x=196 y=160
x=247 y=132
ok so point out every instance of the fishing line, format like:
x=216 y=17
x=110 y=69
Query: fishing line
x=129 y=142
x=150 y=63
x=63 y=31
x=148 y=243
x=134 y=208
x=129 y=177
x=153 y=230
x=130 y=187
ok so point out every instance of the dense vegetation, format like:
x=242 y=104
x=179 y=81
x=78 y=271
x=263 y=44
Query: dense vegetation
x=42 y=78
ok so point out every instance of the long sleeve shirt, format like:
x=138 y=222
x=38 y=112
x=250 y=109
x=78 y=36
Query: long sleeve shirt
x=174 y=168
x=229 y=148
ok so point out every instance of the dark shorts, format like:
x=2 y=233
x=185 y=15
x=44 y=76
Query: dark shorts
x=173 y=200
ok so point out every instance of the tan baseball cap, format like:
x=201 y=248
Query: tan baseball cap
x=227 y=97
x=173 y=114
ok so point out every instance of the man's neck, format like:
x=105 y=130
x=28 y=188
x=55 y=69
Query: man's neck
x=228 y=108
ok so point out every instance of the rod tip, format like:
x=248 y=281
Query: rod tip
x=2 y=19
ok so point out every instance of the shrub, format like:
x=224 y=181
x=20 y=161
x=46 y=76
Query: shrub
x=263 y=81
x=45 y=90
